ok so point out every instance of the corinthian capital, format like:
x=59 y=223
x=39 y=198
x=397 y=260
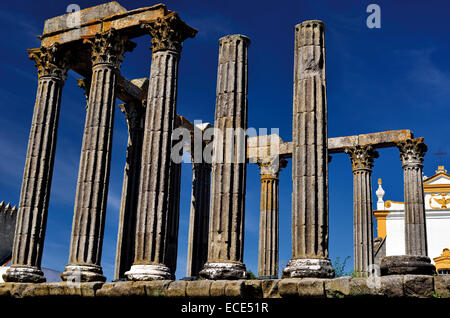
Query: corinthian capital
x=168 y=33
x=109 y=47
x=412 y=151
x=271 y=167
x=50 y=61
x=362 y=157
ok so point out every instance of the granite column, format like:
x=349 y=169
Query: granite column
x=93 y=176
x=155 y=221
x=269 y=216
x=227 y=210
x=130 y=188
x=362 y=158
x=309 y=156
x=416 y=261
x=37 y=178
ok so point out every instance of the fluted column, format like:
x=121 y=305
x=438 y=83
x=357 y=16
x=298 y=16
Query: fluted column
x=130 y=188
x=416 y=261
x=199 y=218
x=157 y=193
x=309 y=156
x=93 y=175
x=227 y=211
x=362 y=158
x=174 y=210
x=37 y=178
x=269 y=216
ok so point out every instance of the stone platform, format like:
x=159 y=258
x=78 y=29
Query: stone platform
x=394 y=286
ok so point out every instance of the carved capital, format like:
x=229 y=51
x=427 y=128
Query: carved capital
x=168 y=33
x=362 y=157
x=50 y=61
x=109 y=47
x=412 y=152
x=271 y=167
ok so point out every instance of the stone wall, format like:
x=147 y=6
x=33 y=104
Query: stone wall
x=395 y=286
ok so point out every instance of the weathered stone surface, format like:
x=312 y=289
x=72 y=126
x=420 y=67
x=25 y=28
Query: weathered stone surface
x=442 y=286
x=13 y=289
x=270 y=288
x=107 y=51
x=421 y=286
x=62 y=289
x=234 y=288
x=309 y=156
x=130 y=189
x=8 y=216
x=311 y=287
x=177 y=289
x=31 y=219
x=391 y=286
x=227 y=211
x=218 y=288
x=157 y=288
x=412 y=152
x=119 y=289
x=155 y=246
x=363 y=287
x=199 y=288
x=338 y=287
x=269 y=214
x=406 y=264
x=362 y=158
x=288 y=287
x=253 y=288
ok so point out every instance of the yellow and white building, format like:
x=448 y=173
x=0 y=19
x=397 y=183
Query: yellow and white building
x=391 y=226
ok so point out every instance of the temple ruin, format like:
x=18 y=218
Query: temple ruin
x=149 y=215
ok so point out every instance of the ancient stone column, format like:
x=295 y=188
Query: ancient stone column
x=309 y=156
x=227 y=211
x=130 y=188
x=93 y=175
x=416 y=261
x=155 y=220
x=362 y=158
x=37 y=178
x=199 y=215
x=269 y=215
x=174 y=209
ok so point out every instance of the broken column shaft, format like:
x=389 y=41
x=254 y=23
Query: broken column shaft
x=309 y=156
x=157 y=193
x=362 y=158
x=227 y=211
x=37 y=178
x=93 y=176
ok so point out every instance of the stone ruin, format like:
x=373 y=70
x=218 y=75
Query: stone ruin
x=149 y=214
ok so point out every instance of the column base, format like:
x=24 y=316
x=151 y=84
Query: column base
x=309 y=267
x=224 y=271
x=267 y=277
x=24 y=274
x=83 y=273
x=406 y=265
x=148 y=272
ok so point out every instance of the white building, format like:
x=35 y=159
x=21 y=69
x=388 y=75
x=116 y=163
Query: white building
x=391 y=227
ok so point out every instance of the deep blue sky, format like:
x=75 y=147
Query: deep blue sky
x=396 y=77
